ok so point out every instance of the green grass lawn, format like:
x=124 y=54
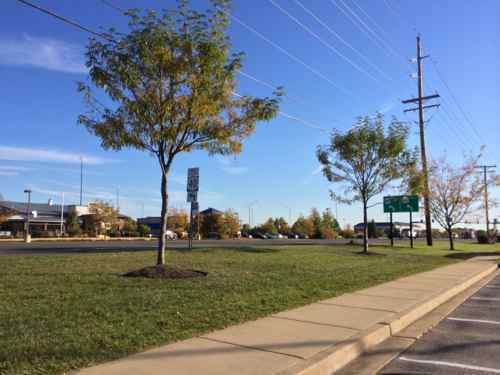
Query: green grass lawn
x=63 y=312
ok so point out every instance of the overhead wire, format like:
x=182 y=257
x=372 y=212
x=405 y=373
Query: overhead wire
x=292 y=56
x=346 y=43
x=455 y=100
x=86 y=29
x=64 y=19
x=443 y=111
x=324 y=42
x=294 y=118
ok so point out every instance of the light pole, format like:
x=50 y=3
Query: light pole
x=28 y=214
x=62 y=214
x=250 y=212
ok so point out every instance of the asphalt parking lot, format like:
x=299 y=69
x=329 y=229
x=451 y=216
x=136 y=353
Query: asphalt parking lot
x=466 y=342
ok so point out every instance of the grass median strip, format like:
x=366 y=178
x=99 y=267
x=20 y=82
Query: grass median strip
x=63 y=312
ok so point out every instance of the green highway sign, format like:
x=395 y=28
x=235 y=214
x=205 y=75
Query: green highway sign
x=401 y=203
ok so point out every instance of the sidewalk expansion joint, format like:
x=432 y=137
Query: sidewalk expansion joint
x=317 y=323
x=404 y=337
x=387 y=324
x=411 y=290
x=380 y=296
x=356 y=307
x=251 y=347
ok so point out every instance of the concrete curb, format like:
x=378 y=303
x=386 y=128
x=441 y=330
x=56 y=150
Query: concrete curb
x=335 y=358
x=376 y=358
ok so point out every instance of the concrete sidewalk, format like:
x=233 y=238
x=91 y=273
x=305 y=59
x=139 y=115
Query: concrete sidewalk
x=315 y=339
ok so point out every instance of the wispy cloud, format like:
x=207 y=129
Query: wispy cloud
x=8 y=173
x=388 y=106
x=45 y=53
x=12 y=170
x=235 y=171
x=47 y=155
x=228 y=166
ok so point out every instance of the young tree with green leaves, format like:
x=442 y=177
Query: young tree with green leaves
x=269 y=227
x=212 y=225
x=329 y=227
x=303 y=226
x=282 y=225
x=315 y=218
x=144 y=230
x=232 y=224
x=104 y=214
x=365 y=159
x=73 y=227
x=172 y=81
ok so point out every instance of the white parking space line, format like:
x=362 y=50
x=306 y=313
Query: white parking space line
x=492 y=286
x=451 y=364
x=485 y=299
x=474 y=321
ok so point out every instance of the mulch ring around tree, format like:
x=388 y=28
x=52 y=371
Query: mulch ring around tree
x=165 y=272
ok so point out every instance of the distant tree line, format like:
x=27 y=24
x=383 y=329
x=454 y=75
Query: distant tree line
x=316 y=225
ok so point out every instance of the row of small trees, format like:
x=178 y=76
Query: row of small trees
x=315 y=225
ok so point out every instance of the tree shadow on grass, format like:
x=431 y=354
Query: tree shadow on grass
x=467 y=255
x=256 y=250
x=368 y=254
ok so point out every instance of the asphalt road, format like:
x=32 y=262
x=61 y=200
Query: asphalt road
x=466 y=342
x=75 y=247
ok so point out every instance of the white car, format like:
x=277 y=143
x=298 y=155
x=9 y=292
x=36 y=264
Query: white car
x=171 y=235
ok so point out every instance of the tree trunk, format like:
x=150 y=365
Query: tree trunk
x=162 y=245
x=450 y=238
x=365 y=227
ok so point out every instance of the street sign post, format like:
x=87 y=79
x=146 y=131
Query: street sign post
x=193 y=185
x=401 y=203
x=192 y=196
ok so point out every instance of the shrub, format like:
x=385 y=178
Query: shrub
x=328 y=233
x=347 y=233
x=485 y=238
x=144 y=230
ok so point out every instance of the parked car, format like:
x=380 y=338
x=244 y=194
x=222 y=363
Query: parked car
x=262 y=236
x=303 y=236
x=171 y=235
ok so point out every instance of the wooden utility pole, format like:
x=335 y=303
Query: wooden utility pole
x=486 y=169
x=421 y=124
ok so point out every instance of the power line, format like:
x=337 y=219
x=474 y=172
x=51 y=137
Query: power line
x=451 y=129
x=321 y=40
x=74 y=24
x=460 y=135
x=269 y=85
x=460 y=128
x=441 y=77
x=66 y=20
x=295 y=118
x=113 y=6
x=381 y=41
x=255 y=79
x=291 y=56
x=347 y=44
x=244 y=74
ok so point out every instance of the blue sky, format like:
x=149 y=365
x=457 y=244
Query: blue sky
x=333 y=69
